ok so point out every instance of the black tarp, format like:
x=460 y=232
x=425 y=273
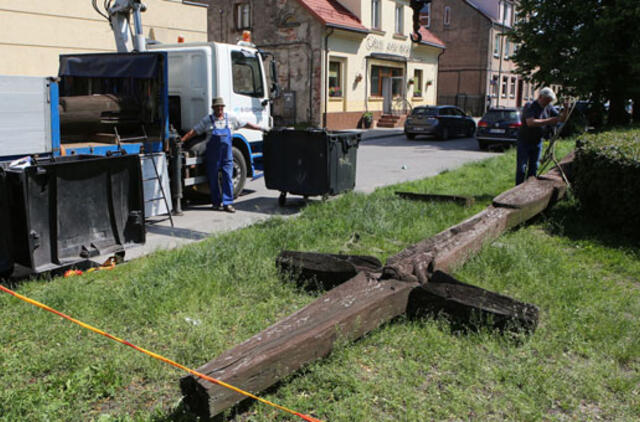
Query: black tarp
x=120 y=65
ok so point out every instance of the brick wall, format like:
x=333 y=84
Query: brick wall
x=287 y=30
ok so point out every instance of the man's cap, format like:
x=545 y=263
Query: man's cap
x=218 y=101
x=548 y=92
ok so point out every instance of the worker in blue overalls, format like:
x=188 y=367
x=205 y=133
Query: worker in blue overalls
x=219 y=153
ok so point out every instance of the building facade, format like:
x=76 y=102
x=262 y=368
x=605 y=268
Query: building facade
x=476 y=71
x=34 y=33
x=337 y=59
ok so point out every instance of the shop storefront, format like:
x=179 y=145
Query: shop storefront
x=377 y=73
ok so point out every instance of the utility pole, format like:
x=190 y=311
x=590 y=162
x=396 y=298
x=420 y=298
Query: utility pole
x=504 y=15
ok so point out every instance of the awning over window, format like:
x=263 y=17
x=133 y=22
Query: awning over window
x=389 y=57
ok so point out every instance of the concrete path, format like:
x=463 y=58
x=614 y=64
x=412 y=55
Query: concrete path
x=385 y=157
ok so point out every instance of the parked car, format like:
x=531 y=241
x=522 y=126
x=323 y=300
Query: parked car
x=498 y=126
x=440 y=121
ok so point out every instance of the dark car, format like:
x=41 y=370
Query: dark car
x=499 y=126
x=440 y=121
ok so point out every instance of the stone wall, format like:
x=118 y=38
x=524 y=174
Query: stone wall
x=287 y=30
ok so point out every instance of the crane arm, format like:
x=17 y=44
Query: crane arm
x=118 y=12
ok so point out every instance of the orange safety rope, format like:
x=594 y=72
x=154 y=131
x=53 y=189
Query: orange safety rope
x=158 y=357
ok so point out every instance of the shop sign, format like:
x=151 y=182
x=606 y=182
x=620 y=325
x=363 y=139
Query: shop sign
x=375 y=43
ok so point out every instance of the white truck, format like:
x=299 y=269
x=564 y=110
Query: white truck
x=140 y=99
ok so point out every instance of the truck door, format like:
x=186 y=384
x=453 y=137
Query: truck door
x=248 y=96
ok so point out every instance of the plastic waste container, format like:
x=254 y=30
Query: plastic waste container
x=310 y=162
x=6 y=256
x=65 y=210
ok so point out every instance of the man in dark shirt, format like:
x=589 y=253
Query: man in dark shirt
x=535 y=116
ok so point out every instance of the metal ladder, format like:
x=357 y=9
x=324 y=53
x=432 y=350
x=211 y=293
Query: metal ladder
x=157 y=177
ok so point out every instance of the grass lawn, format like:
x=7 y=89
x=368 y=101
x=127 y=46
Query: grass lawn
x=191 y=304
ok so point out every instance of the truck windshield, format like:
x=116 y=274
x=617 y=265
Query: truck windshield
x=247 y=74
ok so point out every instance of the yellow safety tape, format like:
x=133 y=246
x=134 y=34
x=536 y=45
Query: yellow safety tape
x=158 y=357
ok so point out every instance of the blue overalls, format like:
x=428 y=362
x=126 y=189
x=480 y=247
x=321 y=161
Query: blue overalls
x=219 y=155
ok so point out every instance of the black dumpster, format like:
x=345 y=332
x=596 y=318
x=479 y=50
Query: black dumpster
x=6 y=256
x=310 y=162
x=65 y=210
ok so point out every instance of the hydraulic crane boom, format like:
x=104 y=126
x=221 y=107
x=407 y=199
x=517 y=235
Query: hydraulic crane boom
x=118 y=13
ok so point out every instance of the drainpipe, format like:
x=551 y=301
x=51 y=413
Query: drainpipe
x=326 y=72
x=310 y=66
x=437 y=87
x=221 y=23
x=366 y=83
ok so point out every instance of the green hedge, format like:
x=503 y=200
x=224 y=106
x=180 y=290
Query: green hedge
x=607 y=178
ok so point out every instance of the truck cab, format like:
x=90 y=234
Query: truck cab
x=199 y=72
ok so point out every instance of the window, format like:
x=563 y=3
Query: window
x=425 y=16
x=399 y=19
x=496 y=46
x=494 y=86
x=247 y=76
x=375 y=14
x=505 y=83
x=243 y=16
x=512 y=93
x=507 y=48
x=507 y=14
x=417 y=83
x=335 y=79
x=447 y=15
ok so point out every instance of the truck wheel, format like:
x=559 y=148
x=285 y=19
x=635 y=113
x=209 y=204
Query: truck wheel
x=239 y=171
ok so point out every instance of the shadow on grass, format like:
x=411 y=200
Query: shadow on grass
x=568 y=220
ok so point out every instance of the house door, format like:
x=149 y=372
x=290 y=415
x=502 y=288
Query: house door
x=387 y=93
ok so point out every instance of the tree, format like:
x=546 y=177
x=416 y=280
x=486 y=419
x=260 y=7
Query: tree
x=590 y=47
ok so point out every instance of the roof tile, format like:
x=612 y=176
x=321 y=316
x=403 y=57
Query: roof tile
x=332 y=13
x=429 y=38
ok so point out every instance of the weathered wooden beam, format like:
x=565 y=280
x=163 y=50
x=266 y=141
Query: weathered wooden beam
x=346 y=312
x=327 y=270
x=469 y=305
x=449 y=248
x=466 y=201
x=452 y=247
x=535 y=195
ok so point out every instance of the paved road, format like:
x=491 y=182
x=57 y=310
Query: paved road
x=381 y=161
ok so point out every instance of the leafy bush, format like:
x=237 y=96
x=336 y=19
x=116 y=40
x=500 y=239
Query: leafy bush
x=607 y=178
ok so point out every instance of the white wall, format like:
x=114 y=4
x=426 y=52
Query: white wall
x=33 y=33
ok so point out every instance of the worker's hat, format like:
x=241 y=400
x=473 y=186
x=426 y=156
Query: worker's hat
x=218 y=101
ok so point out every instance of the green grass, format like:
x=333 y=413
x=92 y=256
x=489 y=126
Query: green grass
x=582 y=363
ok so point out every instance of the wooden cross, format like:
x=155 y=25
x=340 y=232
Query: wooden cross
x=366 y=295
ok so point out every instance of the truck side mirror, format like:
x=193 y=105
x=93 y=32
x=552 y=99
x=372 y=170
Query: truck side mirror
x=275 y=88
